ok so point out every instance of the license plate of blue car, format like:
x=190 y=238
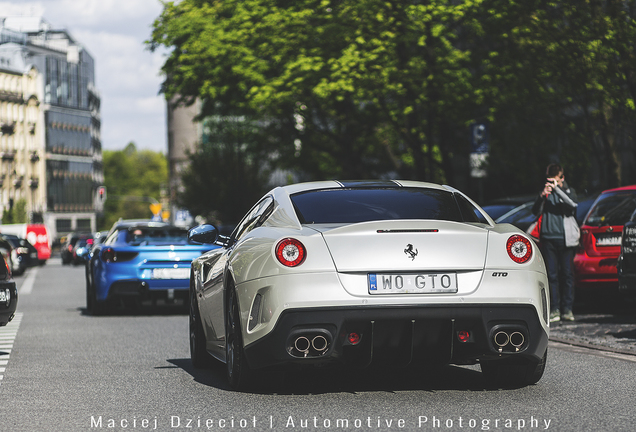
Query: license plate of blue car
x=412 y=283
x=171 y=273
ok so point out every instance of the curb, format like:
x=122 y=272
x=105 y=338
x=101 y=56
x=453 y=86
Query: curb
x=592 y=346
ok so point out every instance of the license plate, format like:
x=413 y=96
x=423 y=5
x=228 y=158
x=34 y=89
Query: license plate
x=3 y=296
x=609 y=240
x=412 y=283
x=171 y=273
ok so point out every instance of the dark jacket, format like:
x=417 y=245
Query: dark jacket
x=560 y=203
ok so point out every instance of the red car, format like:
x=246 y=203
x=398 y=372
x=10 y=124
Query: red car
x=597 y=256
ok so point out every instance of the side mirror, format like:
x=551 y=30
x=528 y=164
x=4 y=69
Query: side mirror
x=203 y=234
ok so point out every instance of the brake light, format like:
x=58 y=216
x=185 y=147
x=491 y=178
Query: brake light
x=108 y=255
x=519 y=249
x=290 y=252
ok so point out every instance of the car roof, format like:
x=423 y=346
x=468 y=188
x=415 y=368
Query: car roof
x=357 y=184
x=619 y=189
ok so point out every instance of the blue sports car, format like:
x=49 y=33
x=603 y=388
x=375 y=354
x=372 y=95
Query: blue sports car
x=140 y=261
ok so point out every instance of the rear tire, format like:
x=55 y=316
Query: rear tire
x=506 y=374
x=239 y=374
x=93 y=306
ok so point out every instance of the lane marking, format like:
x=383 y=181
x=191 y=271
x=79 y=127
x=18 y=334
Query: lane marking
x=8 y=334
x=27 y=286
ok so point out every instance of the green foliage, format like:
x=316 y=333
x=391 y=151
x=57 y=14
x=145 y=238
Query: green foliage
x=228 y=171
x=132 y=179
x=382 y=88
x=16 y=214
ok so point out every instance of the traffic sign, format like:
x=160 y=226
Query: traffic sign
x=155 y=208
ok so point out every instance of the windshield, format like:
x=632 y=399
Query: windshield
x=142 y=236
x=612 y=208
x=363 y=205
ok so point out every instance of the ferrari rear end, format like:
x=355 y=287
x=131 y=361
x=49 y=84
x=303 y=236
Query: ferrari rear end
x=445 y=288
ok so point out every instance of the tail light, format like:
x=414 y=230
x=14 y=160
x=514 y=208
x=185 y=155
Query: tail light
x=290 y=252
x=519 y=249
x=108 y=255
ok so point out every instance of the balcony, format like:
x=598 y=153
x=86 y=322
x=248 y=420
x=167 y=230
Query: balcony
x=7 y=128
x=7 y=155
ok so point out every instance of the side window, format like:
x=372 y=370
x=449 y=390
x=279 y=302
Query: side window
x=111 y=238
x=254 y=218
x=470 y=213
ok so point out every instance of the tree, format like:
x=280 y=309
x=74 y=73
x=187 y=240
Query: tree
x=133 y=179
x=228 y=171
x=386 y=88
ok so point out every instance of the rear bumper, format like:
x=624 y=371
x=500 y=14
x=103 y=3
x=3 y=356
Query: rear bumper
x=595 y=272
x=7 y=311
x=136 y=289
x=400 y=336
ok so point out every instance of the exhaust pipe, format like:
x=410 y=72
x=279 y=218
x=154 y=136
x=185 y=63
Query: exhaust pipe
x=517 y=339
x=302 y=344
x=309 y=343
x=509 y=338
x=502 y=339
x=319 y=343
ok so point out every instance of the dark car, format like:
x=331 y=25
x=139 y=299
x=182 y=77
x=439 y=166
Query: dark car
x=25 y=256
x=140 y=261
x=8 y=293
x=499 y=207
x=627 y=259
x=67 y=248
x=81 y=250
x=601 y=234
x=520 y=216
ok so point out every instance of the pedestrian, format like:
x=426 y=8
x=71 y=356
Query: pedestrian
x=559 y=236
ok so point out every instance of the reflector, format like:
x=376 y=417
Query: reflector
x=354 y=338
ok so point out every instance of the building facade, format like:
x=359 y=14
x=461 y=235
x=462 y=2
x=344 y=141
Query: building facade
x=65 y=143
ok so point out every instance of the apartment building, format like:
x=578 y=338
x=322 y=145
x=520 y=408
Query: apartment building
x=56 y=147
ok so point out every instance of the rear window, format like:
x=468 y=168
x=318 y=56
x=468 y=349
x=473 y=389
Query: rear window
x=142 y=236
x=363 y=205
x=613 y=208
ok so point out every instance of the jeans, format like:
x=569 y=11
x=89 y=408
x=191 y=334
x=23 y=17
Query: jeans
x=558 y=262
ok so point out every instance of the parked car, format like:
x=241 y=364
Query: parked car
x=8 y=293
x=626 y=267
x=520 y=216
x=380 y=273
x=66 y=251
x=24 y=254
x=501 y=206
x=597 y=256
x=140 y=260
x=9 y=254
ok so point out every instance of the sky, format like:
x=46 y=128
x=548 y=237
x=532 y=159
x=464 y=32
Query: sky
x=127 y=74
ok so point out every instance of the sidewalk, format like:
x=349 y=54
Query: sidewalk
x=606 y=324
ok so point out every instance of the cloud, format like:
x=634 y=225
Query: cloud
x=127 y=75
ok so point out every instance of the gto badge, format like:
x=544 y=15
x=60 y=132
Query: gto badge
x=410 y=252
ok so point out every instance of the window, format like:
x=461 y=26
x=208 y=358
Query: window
x=614 y=208
x=255 y=218
x=142 y=236
x=63 y=225
x=363 y=205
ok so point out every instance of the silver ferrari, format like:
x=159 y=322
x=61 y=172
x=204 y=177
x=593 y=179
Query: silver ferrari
x=369 y=273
